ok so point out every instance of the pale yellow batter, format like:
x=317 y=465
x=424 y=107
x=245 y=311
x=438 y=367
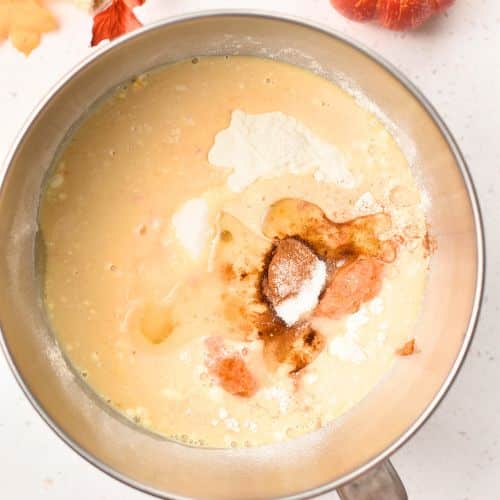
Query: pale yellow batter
x=133 y=303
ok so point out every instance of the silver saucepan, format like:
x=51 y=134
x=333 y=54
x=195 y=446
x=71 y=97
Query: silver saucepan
x=350 y=455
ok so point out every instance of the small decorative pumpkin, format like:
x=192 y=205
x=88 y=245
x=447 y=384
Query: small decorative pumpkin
x=396 y=15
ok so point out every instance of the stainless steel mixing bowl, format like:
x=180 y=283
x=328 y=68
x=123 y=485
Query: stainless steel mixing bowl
x=356 y=445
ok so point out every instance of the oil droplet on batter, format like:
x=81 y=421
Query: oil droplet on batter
x=156 y=323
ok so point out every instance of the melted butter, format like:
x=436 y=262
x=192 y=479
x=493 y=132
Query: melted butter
x=134 y=311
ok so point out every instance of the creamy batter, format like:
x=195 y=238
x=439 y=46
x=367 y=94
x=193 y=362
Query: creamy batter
x=158 y=219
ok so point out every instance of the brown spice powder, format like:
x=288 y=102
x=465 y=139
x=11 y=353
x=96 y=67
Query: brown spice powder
x=291 y=264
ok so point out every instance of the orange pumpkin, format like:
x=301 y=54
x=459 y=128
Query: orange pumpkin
x=396 y=15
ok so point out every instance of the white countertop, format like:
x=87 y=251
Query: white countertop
x=455 y=62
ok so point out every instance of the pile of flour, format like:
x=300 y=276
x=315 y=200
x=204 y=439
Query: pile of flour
x=271 y=145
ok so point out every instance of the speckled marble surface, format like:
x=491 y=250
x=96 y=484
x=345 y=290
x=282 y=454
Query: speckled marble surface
x=455 y=62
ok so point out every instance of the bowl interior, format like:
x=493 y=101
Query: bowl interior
x=320 y=460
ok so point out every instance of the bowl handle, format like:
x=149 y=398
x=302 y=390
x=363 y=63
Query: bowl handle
x=381 y=482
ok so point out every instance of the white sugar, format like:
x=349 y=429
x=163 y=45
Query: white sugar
x=280 y=395
x=291 y=309
x=346 y=349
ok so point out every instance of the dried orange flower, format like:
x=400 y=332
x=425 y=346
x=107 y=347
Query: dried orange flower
x=23 y=22
x=115 y=20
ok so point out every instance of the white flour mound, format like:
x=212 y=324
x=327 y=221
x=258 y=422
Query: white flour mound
x=272 y=144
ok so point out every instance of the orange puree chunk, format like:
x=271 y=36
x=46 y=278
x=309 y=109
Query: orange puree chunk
x=235 y=377
x=352 y=285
